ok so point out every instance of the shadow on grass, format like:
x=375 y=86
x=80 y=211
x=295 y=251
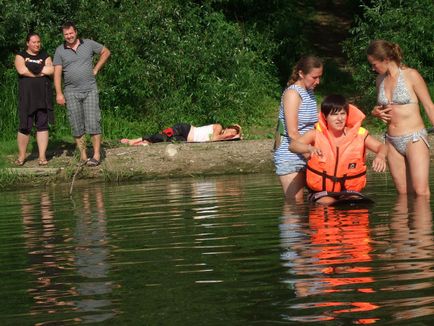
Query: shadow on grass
x=63 y=148
x=56 y=148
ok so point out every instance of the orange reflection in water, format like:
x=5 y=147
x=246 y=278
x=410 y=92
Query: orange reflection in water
x=342 y=239
x=337 y=246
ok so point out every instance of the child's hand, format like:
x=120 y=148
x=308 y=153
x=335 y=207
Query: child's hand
x=379 y=164
x=314 y=150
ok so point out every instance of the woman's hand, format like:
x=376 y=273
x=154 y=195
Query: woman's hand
x=383 y=112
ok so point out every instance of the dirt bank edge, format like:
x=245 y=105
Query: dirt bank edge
x=162 y=160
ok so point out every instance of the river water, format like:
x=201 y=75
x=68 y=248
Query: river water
x=213 y=251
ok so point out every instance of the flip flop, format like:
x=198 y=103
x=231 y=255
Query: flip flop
x=124 y=141
x=19 y=162
x=92 y=162
x=42 y=162
x=83 y=162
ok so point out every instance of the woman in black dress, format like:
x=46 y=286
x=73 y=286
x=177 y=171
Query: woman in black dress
x=35 y=104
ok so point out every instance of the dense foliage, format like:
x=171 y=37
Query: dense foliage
x=282 y=25
x=171 y=61
x=204 y=61
x=408 y=23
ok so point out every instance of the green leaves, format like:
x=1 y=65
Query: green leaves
x=172 y=61
x=408 y=23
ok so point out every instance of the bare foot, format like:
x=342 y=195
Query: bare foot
x=134 y=142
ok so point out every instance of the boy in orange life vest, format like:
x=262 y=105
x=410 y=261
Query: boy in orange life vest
x=337 y=151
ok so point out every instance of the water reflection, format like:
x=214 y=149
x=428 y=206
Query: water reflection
x=91 y=257
x=213 y=198
x=215 y=248
x=46 y=261
x=213 y=205
x=330 y=259
x=69 y=265
x=341 y=267
x=409 y=259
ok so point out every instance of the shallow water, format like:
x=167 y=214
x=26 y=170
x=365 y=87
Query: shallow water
x=213 y=251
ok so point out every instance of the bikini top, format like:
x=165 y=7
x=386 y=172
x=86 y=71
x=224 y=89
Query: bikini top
x=400 y=94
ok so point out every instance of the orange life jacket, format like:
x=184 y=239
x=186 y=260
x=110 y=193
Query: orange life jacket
x=339 y=168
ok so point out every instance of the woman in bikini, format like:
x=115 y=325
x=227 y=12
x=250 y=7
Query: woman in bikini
x=399 y=90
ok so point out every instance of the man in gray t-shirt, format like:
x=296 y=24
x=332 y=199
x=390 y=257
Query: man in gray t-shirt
x=74 y=60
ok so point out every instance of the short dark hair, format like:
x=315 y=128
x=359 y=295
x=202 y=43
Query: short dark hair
x=334 y=103
x=68 y=24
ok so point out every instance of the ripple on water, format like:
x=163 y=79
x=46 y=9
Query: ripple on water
x=224 y=249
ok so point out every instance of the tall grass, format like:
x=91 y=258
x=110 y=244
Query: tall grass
x=9 y=106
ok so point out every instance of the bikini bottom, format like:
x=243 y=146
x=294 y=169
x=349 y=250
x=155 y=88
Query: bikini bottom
x=401 y=142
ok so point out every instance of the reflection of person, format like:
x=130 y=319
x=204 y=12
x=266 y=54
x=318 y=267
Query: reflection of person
x=337 y=147
x=298 y=113
x=46 y=261
x=399 y=88
x=409 y=252
x=74 y=60
x=91 y=257
x=328 y=253
x=189 y=133
x=34 y=67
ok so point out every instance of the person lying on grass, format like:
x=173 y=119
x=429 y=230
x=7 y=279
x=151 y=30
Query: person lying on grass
x=337 y=152
x=184 y=132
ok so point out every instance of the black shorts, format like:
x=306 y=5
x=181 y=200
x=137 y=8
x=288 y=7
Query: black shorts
x=178 y=132
x=39 y=118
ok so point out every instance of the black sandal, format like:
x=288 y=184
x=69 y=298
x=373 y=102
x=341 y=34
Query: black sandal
x=92 y=162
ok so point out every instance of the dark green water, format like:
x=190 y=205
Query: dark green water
x=213 y=251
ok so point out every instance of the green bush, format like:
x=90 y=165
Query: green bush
x=408 y=23
x=171 y=61
x=277 y=28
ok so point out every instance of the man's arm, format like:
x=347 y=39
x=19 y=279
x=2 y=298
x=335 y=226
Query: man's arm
x=60 y=99
x=103 y=56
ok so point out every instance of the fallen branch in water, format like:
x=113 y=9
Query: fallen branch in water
x=79 y=167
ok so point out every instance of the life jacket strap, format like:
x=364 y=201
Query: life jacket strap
x=335 y=179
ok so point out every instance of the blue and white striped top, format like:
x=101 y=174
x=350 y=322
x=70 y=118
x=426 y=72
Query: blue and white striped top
x=307 y=117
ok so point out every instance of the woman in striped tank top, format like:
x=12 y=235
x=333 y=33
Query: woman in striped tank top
x=298 y=113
